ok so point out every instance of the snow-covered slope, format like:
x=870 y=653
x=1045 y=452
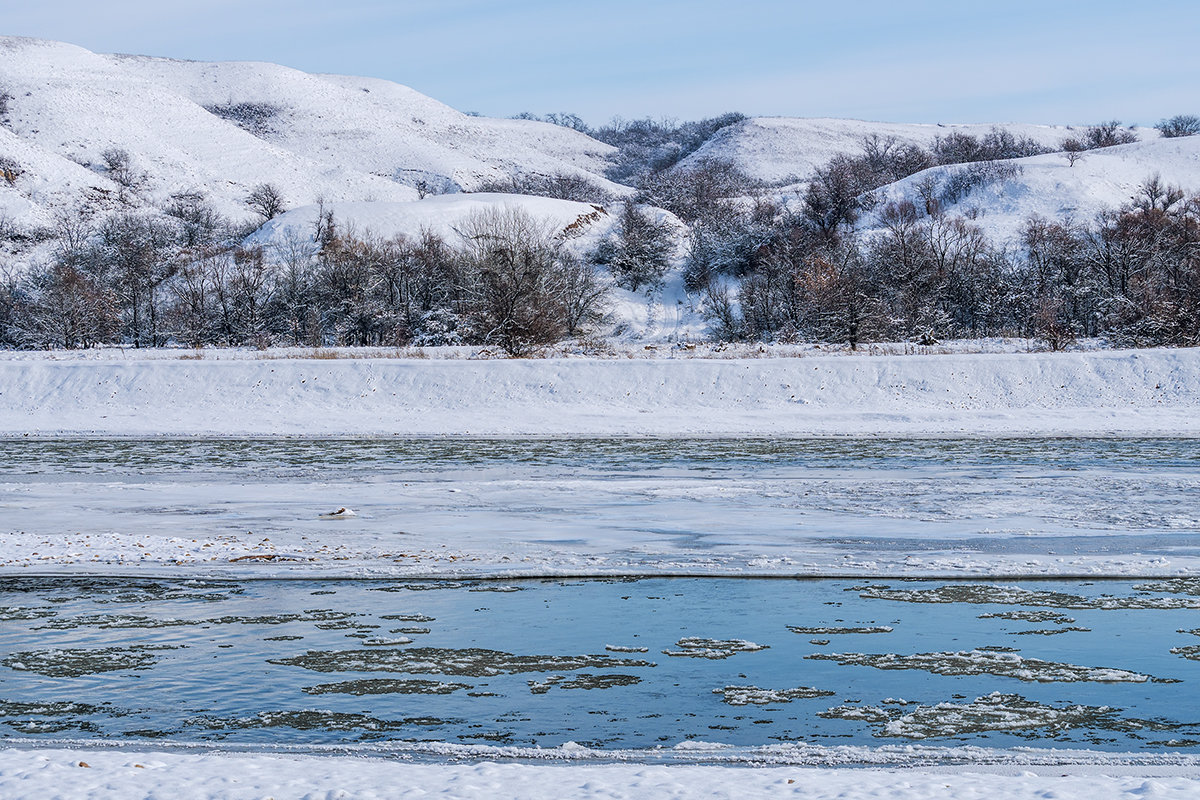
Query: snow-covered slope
x=1139 y=392
x=782 y=150
x=378 y=127
x=1049 y=187
x=312 y=136
x=363 y=145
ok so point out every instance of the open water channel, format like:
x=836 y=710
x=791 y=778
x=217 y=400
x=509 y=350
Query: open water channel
x=620 y=664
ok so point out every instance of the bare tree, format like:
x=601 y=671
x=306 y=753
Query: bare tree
x=1108 y=134
x=266 y=200
x=1072 y=150
x=73 y=309
x=524 y=290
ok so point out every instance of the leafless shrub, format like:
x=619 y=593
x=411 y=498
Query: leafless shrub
x=962 y=181
x=10 y=170
x=256 y=118
x=119 y=165
x=1095 y=137
x=998 y=144
x=1180 y=125
x=524 y=291
x=1073 y=149
x=558 y=186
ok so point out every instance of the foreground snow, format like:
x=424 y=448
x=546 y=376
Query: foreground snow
x=96 y=774
x=1095 y=393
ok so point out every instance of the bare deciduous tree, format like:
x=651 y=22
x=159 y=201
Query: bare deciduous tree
x=1072 y=150
x=266 y=200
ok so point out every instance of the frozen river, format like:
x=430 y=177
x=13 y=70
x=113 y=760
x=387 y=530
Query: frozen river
x=617 y=665
x=461 y=507
x=620 y=597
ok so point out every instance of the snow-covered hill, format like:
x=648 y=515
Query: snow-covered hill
x=220 y=129
x=786 y=150
x=1049 y=187
x=363 y=146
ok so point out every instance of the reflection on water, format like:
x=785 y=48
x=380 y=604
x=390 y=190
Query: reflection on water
x=613 y=664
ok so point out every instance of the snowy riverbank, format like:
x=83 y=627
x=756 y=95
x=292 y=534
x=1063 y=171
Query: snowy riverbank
x=121 y=774
x=1141 y=392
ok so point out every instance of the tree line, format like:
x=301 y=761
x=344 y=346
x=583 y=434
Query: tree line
x=507 y=280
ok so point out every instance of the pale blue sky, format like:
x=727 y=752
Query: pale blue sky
x=931 y=61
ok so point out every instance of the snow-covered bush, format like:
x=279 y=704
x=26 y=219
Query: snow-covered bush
x=964 y=180
x=646 y=146
x=638 y=252
x=1094 y=137
x=997 y=144
x=266 y=200
x=438 y=327
x=692 y=193
x=119 y=165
